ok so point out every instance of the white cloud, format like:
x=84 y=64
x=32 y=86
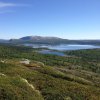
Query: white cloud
x=3 y=5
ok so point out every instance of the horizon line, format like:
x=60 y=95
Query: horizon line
x=51 y=36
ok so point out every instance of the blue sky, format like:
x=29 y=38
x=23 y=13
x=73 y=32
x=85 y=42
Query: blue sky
x=71 y=19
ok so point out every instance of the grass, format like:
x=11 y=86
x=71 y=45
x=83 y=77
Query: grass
x=47 y=77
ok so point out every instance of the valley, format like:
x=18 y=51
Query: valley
x=47 y=76
x=49 y=49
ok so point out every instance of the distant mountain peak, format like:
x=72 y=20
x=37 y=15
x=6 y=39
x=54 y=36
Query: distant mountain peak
x=37 y=38
x=50 y=40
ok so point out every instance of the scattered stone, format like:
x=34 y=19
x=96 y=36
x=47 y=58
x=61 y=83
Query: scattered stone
x=30 y=85
x=2 y=74
x=2 y=61
x=25 y=61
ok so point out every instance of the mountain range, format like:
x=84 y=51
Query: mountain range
x=48 y=40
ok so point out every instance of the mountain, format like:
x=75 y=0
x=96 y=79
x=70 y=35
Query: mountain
x=49 y=41
x=39 y=40
x=3 y=41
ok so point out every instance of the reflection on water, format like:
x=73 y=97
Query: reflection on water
x=63 y=46
x=73 y=47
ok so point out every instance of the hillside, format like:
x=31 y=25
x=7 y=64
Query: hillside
x=49 y=77
x=49 y=41
x=38 y=40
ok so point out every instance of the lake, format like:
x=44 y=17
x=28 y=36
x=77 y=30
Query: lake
x=59 y=48
x=72 y=47
x=64 y=47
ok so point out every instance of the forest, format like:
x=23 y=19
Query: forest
x=49 y=77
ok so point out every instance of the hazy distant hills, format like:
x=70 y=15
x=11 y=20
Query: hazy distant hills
x=49 y=40
x=3 y=41
x=39 y=40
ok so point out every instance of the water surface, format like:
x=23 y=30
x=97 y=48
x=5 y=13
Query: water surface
x=63 y=47
x=60 y=48
x=73 y=47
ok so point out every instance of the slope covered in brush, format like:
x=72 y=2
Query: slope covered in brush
x=49 y=77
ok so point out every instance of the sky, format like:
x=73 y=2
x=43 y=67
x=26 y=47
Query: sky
x=69 y=19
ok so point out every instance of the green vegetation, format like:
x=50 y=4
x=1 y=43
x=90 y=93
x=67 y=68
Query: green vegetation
x=49 y=77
